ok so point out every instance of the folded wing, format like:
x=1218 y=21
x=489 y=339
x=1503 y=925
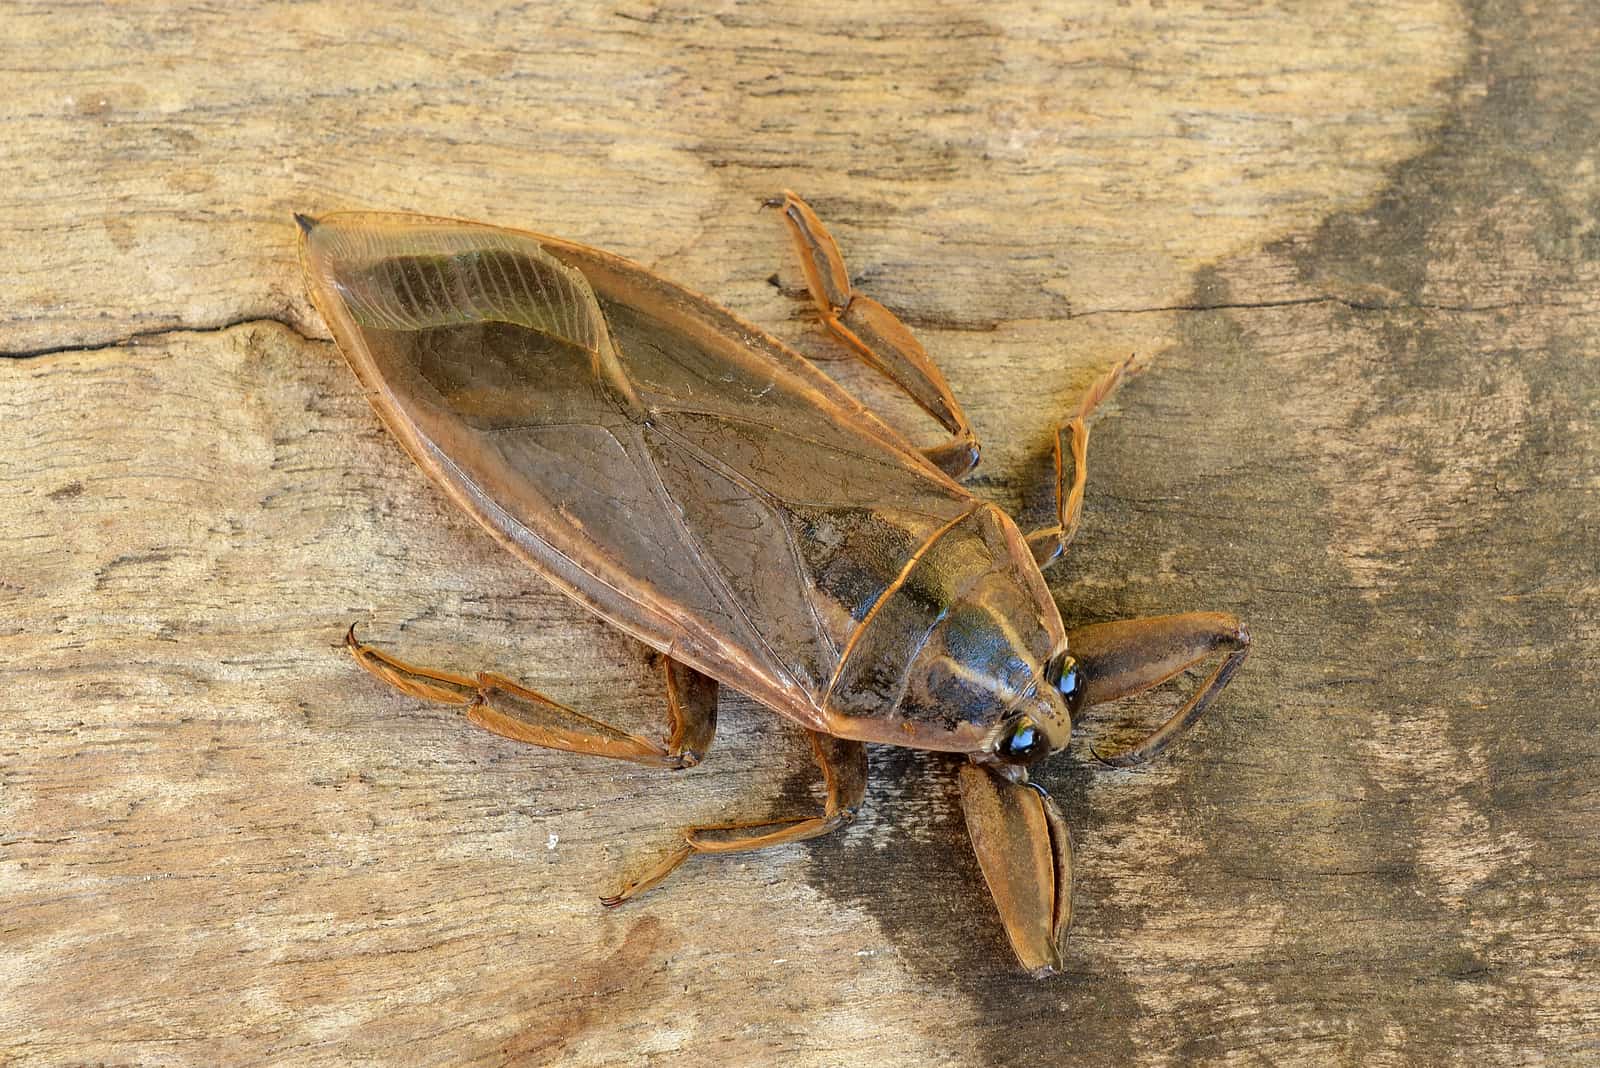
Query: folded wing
x=682 y=474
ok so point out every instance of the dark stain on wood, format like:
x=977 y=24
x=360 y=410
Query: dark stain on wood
x=594 y=988
x=1399 y=791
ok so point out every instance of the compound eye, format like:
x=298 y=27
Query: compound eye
x=1024 y=743
x=1062 y=673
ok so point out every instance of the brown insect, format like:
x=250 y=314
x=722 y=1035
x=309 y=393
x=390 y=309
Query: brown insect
x=704 y=488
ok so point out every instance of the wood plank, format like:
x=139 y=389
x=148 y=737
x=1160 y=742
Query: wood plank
x=1357 y=243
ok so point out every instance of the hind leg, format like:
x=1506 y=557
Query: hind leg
x=498 y=704
x=878 y=336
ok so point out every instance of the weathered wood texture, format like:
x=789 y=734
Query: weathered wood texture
x=1360 y=244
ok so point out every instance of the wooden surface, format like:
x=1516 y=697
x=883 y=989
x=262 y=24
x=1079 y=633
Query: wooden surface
x=1360 y=244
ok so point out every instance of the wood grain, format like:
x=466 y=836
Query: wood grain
x=1358 y=244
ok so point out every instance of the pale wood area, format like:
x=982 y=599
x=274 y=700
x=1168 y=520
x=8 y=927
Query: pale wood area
x=1360 y=245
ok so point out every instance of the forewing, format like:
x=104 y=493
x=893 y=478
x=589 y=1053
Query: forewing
x=679 y=472
x=481 y=352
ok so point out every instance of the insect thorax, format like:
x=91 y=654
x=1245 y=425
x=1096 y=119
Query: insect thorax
x=954 y=643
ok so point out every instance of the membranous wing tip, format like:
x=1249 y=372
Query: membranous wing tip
x=412 y=276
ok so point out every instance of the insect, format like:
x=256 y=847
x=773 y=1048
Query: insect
x=706 y=489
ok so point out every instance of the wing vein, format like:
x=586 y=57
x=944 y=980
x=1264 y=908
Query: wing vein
x=717 y=583
x=758 y=493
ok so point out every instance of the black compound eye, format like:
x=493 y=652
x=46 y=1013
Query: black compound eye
x=1062 y=673
x=1024 y=743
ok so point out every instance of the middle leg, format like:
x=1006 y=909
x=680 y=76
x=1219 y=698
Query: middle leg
x=1072 y=438
x=844 y=777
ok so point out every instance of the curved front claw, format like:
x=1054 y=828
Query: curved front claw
x=1132 y=655
x=1025 y=852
